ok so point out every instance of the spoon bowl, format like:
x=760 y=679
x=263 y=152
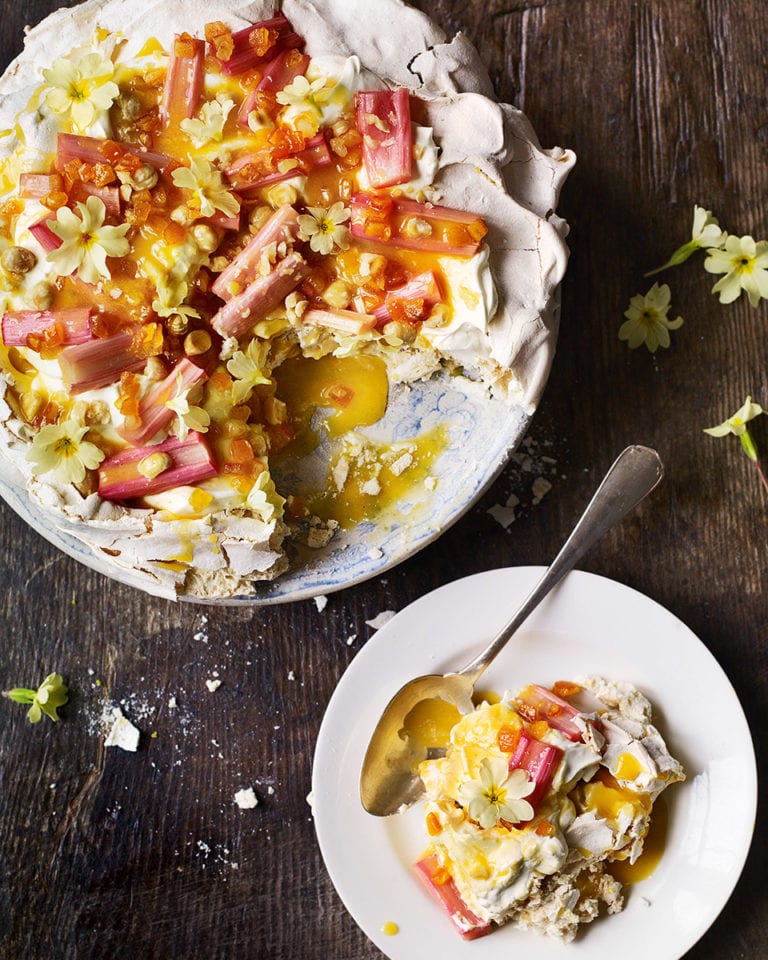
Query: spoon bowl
x=404 y=735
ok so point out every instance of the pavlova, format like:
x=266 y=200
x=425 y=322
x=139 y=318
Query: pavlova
x=191 y=196
x=538 y=798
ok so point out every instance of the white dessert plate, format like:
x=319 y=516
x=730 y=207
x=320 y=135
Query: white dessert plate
x=588 y=625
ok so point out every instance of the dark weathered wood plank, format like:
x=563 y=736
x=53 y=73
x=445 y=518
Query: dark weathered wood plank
x=105 y=852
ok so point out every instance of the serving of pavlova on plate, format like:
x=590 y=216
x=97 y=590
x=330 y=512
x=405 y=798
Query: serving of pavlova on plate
x=542 y=805
x=217 y=220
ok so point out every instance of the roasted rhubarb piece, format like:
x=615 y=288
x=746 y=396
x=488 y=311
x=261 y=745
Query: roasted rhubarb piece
x=416 y=226
x=443 y=890
x=383 y=119
x=184 y=82
x=277 y=74
x=411 y=302
x=142 y=471
x=154 y=413
x=97 y=363
x=92 y=150
x=538 y=703
x=69 y=327
x=345 y=321
x=540 y=760
x=262 y=295
x=110 y=197
x=247 y=174
x=35 y=186
x=282 y=227
x=45 y=236
x=258 y=44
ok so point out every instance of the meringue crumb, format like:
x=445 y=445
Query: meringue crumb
x=321 y=602
x=380 y=619
x=246 y=799
x=213 y=685
x=122 y=734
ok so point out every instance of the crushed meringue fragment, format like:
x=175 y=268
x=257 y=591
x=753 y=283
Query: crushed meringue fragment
x=542 y=805
x=191 y=205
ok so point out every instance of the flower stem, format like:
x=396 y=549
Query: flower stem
x=762 y=475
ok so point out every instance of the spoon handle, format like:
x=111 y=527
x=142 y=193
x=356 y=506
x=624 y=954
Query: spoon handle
x=634 y=474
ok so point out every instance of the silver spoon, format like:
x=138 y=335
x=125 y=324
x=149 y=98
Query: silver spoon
x=389 y=777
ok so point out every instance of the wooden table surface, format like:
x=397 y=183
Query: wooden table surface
x=144 y=855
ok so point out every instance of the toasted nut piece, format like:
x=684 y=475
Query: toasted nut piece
x=130 y=106
x=258 y=217
x=257 y=440
x=205 y=237
x=275 y=411
x=153 y=465
x=143 y=178
x=177 y=324
x=91 y=413
x=338 y=295
x=181 y=215
x=400 y=331
x=417 y=228
x=31 y=405
x=155 y=369
x=236 y=428
x=18 y=260
x=41 y=295
x=197 y=342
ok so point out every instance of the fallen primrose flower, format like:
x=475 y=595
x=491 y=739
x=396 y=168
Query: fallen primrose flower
x=737 y=425
x=49 y=696
x=706 y=234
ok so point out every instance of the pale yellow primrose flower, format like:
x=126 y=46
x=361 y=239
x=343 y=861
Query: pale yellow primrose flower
x=498 y=794
x=49 y=696
x=87 y=242
x=82 y=90
x=301 y=93
x=745 y=265
x=264 y=499
x=187 y=417
x=647 y=320
x=324 y=228
x=60 y=448
x=247 y=369
x=737 y=425
x=210 y=123
x=705 y=234
x=207 y=185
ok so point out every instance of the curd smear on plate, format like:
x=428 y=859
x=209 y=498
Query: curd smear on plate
x=541 y=807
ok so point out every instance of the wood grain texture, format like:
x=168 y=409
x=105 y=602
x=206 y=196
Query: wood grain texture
x=145 y=856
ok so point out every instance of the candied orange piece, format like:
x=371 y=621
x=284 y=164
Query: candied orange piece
x=184 y=46
x=215 y=29
x=128 y=395
x=539 y=729
x=434 y=827
x=262 y=39
x=111 y=151
x=174 y=232
x=148 y=340
x=565 y=689
x=103 y=174
x=11 y=208
x=241 y=451
x=545 y=829
x=507 y=738
x=55 y=200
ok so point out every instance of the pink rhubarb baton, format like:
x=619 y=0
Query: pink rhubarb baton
x=154 y=414
x=184 y=82
x=74 y=326
x=424 y=287
x=315 y=154
x=416 y=226
x=345 y=321
x=540 y=760
x=278 y=74
x=262 y=295
x=35 y=186
x=97 y=363
x=443 y=890
x=188 y=462
x=45 y=236
x=383 y=119
x=282 y=227
x=92 y=150
x=248 y=44
x=558 y=713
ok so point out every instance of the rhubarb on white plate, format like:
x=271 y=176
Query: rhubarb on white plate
x=542 y=805
x=212 y=224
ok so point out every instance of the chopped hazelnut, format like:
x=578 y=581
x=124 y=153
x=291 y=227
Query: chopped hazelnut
x=177 y=324
x=18 y=260
x=197 y=342
x=41 y=295
x=153 y=465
